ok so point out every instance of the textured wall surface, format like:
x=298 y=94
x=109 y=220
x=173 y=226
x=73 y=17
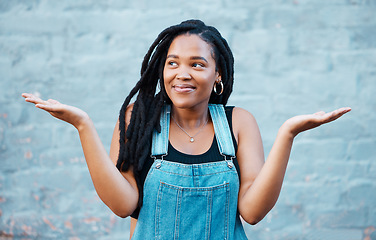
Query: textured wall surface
x=291 y=57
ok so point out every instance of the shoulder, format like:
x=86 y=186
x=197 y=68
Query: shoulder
x=243 y=123
x=239 y=116
x=128 y=114
x=242 y=118
x=127 y=117
x=238 y=113
x=115 y=146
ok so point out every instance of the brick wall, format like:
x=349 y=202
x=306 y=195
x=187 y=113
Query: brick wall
x=291 y=57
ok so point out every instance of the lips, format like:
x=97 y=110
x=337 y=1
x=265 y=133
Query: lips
x=184 y=88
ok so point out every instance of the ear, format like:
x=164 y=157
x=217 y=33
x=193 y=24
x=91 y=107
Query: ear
x=218 y=77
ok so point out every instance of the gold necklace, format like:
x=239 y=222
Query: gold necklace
x=192 y=138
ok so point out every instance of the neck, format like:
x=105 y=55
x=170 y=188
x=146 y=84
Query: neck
x=190 y=118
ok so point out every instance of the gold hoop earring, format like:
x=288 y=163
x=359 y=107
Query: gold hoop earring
x=215 y=88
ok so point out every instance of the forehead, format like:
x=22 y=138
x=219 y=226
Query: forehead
x=189 y=45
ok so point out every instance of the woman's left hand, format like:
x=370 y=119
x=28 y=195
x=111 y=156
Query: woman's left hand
x=302 y=123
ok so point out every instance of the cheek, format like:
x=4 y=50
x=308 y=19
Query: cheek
x=166 y=80
x=211 y=86
x=211 y=80
x=167 y=75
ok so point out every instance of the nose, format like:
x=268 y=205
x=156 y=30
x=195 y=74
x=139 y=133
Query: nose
x=183 y=74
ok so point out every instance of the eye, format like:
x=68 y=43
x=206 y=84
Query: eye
x=198 y=65
x=172 y=63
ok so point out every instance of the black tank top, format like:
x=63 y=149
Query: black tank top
x=174 y=155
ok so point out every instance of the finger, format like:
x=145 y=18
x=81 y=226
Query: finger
x=345 y=109
x=340 y=111
x=319 y=113
x=28 y=95
x=331 y=116
x=53 y=101
x=34 y=99
x=48 y=108
x=25 y=95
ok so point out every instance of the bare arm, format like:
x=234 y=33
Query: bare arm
x=118 y=191
x=261 y=182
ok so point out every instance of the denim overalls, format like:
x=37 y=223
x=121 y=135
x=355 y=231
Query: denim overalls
x=191 y=201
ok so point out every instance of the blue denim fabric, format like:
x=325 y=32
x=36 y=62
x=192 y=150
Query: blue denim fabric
x=191 y=201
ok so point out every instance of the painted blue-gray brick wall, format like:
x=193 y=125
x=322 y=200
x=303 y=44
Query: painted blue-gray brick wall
x=291 y=57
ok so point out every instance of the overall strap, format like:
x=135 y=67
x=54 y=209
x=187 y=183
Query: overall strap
x=160 y=140
x=222 y=130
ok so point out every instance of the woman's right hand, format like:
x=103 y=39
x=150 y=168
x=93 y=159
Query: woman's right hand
x=69 y=114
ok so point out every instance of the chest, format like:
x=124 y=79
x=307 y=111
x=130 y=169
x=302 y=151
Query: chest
x=181 y=139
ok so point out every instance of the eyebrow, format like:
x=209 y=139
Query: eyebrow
x=193 y=57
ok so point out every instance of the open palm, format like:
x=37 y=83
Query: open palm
x=302 y=123
x=69 y=114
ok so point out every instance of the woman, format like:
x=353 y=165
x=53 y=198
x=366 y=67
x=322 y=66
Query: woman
x=191 y=177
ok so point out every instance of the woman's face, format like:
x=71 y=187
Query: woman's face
x=190 y=71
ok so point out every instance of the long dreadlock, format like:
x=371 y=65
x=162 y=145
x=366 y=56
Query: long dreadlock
x=135 y=142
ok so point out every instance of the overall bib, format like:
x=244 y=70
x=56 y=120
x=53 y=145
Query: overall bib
x=191 y=201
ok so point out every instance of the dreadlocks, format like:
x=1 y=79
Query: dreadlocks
x=135 y=141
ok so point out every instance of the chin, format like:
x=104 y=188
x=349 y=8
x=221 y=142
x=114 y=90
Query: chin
x=187 y=104
x=182 y=104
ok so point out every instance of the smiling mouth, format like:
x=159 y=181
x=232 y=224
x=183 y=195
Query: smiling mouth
x=184 y=88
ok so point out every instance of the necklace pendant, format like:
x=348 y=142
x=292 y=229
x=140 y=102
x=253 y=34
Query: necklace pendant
x=192 y=140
